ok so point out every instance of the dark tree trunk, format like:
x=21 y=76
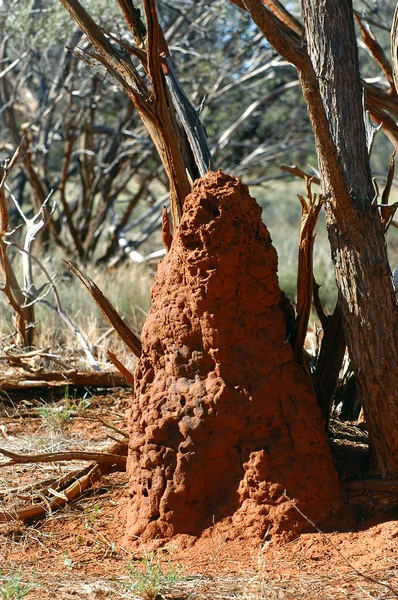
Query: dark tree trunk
x=359 y=252
x=329 y=75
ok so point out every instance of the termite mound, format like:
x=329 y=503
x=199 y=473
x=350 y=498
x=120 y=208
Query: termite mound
x=223 y=419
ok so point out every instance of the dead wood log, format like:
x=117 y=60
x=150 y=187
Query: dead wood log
x=10 y=382
x=99 y=457
x=373 y=496
x=69 y=487
x=388 y=486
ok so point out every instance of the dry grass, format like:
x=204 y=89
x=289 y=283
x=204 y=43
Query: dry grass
x=127 y=289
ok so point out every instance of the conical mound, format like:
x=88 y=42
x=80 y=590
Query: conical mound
x=223 y=420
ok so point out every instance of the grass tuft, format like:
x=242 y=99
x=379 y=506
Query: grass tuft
x=152 y=575
x=12 y=586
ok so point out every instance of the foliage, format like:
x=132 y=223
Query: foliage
x=12 y=586
x=57 y=416
x=153 y=574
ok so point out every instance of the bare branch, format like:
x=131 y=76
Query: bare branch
x=129 y=337
x=310 y=208
x=99 y=457
x=284 y=39
x=375 y=49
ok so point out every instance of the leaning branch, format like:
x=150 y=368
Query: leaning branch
x=120 y=366
x=131 y=340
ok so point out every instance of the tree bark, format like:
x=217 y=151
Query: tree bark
x=329 y=76
x=330 y=80
x=359 y=252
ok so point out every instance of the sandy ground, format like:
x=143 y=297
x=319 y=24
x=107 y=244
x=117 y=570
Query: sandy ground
x=79 y=551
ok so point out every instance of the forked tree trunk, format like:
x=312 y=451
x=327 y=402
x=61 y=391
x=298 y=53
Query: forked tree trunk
x=329 y=75
x=366 y=296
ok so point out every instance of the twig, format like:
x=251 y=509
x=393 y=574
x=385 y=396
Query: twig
x=294 y=170
x=211 y=559
x=119 y=431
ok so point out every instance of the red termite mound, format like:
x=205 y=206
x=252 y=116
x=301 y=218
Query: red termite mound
x=223 y=419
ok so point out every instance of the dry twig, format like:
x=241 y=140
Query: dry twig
x=345 y=559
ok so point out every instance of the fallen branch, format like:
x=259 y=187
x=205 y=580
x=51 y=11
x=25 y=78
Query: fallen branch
x=69 y=487
x=39 y=510
x=99 y=457
x=24 y=381
x=24 y=355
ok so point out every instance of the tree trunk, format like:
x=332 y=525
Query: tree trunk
x=356 y=235
x=329 y=76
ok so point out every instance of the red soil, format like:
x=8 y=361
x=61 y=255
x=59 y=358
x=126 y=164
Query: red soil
x=223 y=419
x=79 y=553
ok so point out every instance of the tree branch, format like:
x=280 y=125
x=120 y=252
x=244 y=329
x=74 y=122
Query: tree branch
x=99 y=457
x=110 y=313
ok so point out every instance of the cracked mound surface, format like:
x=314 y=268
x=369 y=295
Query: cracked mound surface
x=223 y=419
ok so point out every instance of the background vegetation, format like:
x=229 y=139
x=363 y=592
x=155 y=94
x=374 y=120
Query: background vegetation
x=88 y=149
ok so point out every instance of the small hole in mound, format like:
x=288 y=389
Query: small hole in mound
x=149 y=485
x=183 y=401
x=145 y=493
x=155 y=517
